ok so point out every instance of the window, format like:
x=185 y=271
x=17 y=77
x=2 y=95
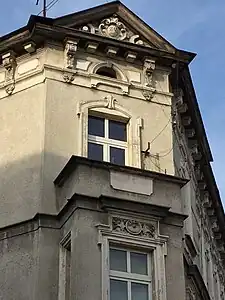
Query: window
x=65 y=268
x=107 y=140
x=130 y=275
x=106 y=71
x=96 y=146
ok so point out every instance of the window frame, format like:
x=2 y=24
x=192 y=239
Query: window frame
x=134 y=125
x=156 y=246
x=112 y=73
x=107 y=142
x=65 y=268
x=130 y=277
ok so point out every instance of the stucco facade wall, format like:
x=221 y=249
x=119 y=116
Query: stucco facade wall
x=41 y=127
x=19 y=266
x=22 y=144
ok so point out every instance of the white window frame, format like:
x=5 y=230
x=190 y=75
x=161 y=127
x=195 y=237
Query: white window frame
x=157 y=247
x=134 y=125
x=106 y=142
x=133 y=277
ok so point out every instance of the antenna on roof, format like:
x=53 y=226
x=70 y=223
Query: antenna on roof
x=44 y=7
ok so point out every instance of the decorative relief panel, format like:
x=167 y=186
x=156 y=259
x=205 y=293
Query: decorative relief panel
x=133 y=227
x=127 y=230
x=113 y=27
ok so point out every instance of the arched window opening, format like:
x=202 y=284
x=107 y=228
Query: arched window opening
x=107 y=72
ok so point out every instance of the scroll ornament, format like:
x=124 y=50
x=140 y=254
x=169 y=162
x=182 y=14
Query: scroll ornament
x=149 y=67
x=133 y=227
x=9 y=63
x=69 y=60
x=111 y=102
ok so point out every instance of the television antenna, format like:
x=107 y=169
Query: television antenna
x=44 y=10
x=46 y=6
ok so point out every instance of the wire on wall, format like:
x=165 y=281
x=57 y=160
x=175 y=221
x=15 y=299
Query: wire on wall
x=169 y=120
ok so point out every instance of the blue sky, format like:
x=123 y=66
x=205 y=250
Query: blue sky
x=196 y=25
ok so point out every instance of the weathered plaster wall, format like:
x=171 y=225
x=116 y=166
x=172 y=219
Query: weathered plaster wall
x=174 y=262
x=22 y=143
x=18 y=267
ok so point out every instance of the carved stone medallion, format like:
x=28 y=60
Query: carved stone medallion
x=113 y=28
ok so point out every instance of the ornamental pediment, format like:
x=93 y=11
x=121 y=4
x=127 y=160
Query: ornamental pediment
x=114 y=27
x=114 y=20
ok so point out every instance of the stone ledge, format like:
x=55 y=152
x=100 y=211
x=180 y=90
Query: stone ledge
x=74 y=161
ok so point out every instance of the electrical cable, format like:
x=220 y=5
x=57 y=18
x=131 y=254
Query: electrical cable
x=158 y=167
x=170 y=119
x=161 y=131
x=166 y=153
x=49 y=6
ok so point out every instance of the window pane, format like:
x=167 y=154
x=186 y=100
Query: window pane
x=139 y=263
x=95 y=151
x=139 y=291
x=118 y=290
x=96 y=126
x=117 y=156
x=117 y=130
x=118 y=260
